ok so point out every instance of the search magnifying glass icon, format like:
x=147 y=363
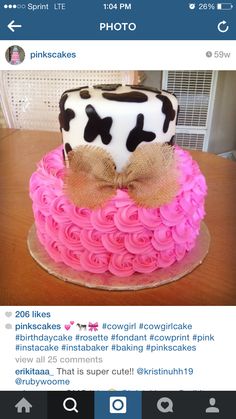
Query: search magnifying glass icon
x=70 y=405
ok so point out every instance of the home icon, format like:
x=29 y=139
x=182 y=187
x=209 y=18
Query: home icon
x=23 y=406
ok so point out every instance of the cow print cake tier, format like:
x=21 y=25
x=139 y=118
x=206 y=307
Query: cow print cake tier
x=118 y=196
x=117 y=118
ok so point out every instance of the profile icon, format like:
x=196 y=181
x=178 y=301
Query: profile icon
x=212 y=408
x=15 y=55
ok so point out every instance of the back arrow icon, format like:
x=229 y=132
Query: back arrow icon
x=11 y=26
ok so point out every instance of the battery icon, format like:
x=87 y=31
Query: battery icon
x=224 y=6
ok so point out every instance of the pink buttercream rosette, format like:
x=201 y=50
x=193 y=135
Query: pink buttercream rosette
x=121 y=237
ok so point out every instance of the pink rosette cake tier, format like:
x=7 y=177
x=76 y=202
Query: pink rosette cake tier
x=121 y=237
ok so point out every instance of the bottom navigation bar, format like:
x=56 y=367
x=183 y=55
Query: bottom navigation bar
x=128 y=404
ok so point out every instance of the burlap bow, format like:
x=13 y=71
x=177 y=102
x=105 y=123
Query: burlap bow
x=150 y=176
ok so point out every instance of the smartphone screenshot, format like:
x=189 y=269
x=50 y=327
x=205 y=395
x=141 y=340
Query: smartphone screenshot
x=117 y=214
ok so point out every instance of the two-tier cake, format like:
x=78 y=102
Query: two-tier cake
x=118 y=196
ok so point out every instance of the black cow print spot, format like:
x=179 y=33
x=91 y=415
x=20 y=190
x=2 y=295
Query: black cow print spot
x=97 y=126
x=168 y=110
x=68 y=148
x=107 y=87
x=76 y=89
x=172 y=140
x=177 y=117
x=126 y=97
x=170 y=93
x=65 y=115
x=137 y=135
x=84 y=94
x=145 y=88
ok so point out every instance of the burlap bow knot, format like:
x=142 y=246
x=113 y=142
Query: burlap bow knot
x=150 y=176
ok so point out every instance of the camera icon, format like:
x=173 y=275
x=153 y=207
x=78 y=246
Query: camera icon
x=118 y=404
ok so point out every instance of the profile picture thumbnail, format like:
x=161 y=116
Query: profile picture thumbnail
x=15 y=55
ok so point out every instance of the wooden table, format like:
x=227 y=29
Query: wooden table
x=23 y=282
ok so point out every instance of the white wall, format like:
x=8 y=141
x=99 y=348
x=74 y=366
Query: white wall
x=153 y=78
x=223 y=130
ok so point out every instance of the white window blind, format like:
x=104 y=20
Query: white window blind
x=195 y=91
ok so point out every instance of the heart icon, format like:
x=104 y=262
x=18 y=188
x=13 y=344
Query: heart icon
x=71 y=322
x=8 y=313
x=67 y=326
